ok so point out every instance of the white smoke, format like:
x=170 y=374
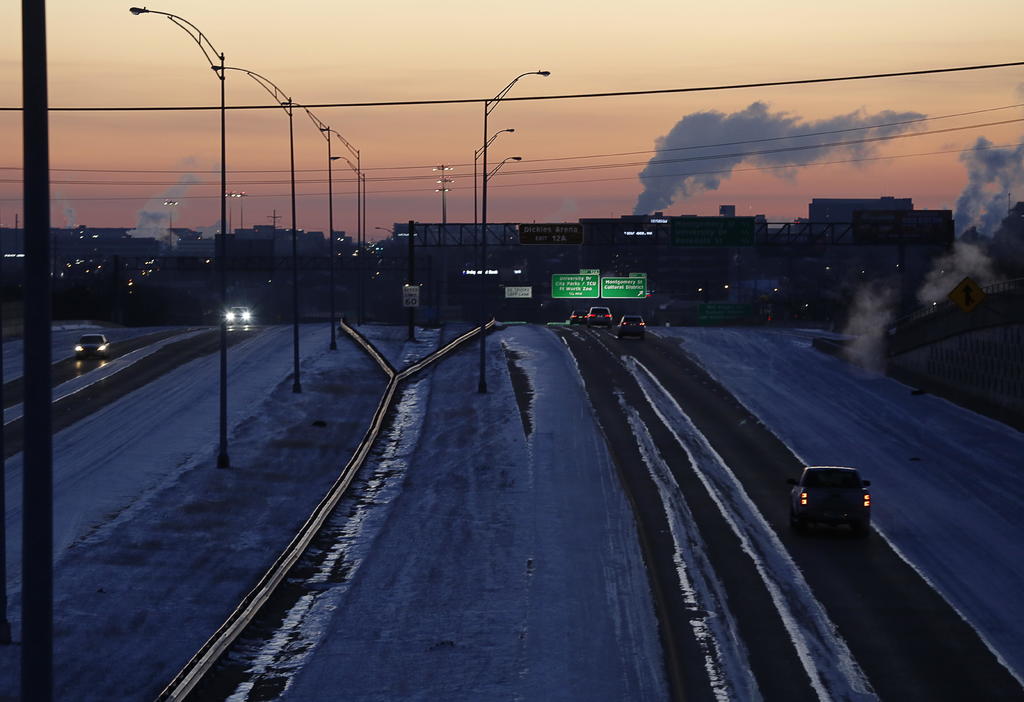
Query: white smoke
x=869 y=318
x=992 y=174
x=964 y=261
x=664 y=181
x=153 y=219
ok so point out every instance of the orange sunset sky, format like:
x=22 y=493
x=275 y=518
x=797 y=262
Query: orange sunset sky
x=109 y=166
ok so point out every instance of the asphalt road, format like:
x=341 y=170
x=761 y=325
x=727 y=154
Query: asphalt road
x=910 y=644
x=81 y=404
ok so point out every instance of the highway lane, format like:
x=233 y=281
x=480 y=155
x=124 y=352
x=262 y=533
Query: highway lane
x=908 y=641
x=71 y=409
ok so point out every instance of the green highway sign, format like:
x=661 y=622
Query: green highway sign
x=713 y=231
x=717 y=312
x=567 y=285
x=631 y=287
x=590 y=271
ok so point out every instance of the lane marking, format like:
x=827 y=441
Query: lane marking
x=714 y=626
x=828 y=661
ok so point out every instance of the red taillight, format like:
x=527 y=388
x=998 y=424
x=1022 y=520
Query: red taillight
x=803 y=498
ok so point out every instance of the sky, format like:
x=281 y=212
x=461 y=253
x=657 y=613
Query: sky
x=321 y=52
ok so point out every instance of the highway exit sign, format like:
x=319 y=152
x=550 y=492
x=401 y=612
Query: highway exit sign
x=575 y=285
x=561 y=233
x=632 y=287
x=713 y=231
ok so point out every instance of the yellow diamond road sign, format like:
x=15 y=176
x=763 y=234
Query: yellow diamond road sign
x=967 y=295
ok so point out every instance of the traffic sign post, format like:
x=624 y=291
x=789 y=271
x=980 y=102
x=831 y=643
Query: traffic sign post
x=632 y=287
x=575 y=285
x=967 y=295
x=566 y=233
x=518 y=291
x=713 y=231
x=410 y=296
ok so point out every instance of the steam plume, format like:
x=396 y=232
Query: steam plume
x=991 y=174
x=870 y=315
x=664 y=182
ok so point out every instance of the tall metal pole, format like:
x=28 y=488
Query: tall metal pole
x=223 y=461
x=330 y=235
x=5 y=625
x=37 y=501
x=296 y=383
x=362 y=227
x=412 y=278
x=482 y=380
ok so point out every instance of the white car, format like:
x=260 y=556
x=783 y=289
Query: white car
x=238 y=315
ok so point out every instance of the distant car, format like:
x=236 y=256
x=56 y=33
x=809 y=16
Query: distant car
x=238 y=315
x=631 y=325
x=576 y=317
x=92 y=346
x=598 y=316
x=831 y=495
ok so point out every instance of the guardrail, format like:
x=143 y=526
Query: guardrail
x=200 y=664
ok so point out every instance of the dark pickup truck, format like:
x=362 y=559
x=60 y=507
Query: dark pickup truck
x=832 y=495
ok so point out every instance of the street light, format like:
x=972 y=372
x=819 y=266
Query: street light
x=326 y=132
x=241 y=207
x=444 y=189
x=360 y=220
x=211 y=53
x=476 y=157
x=170 y=205
x=286 y=103
x=489 y=106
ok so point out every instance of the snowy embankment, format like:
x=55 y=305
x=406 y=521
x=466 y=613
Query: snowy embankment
x=506 y=565
x=153 y=544
x=946 y=482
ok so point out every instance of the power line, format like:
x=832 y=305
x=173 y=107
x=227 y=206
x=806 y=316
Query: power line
x=568 y=158
x=568 y=96
x=566 y=169
x=567 y=182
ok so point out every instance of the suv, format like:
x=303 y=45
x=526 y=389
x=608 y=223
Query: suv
x=830 y=495
x=631 y=325
x=599 y=315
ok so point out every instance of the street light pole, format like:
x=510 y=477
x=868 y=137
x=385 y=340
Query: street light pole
x=444 y=190
x=476 y=157
x=489 y=106
x=211 y=53
x=170 y=205
x=289 y=107
x=326 y=132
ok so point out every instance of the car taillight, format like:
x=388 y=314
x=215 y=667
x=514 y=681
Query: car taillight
x=643 y=324
x=803 y=498
x=867 y=500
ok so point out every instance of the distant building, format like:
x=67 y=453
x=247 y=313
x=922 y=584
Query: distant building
x=841 y=209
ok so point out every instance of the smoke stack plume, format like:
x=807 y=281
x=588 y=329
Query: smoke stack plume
x=666 y=181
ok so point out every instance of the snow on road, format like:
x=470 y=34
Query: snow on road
x=509 y=567
x=946 y=482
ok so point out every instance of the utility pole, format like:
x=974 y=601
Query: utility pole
x=412 y=278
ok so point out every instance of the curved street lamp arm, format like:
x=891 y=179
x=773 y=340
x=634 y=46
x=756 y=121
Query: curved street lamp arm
x=193 y=31
x=496 y=168
x=489 y=105
x=476 y=154
x=320 y=125
x=353 y=150
x=279 y=95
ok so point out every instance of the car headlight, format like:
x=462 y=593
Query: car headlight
x=103 y=347
x=246 y=316
x=79 y=348
x=229 y=317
